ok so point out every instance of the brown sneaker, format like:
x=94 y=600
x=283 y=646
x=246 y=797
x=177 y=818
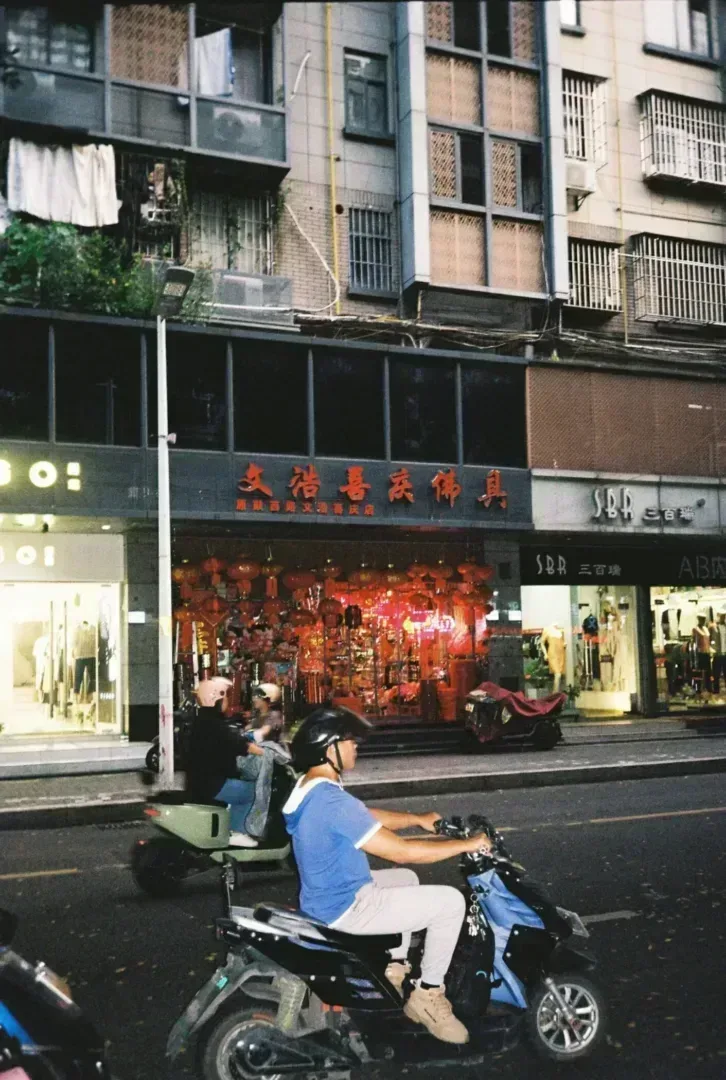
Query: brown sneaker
x=396 y=972
x=433 y=1009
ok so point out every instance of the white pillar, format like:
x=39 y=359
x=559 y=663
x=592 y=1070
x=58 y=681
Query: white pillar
x=166 y=670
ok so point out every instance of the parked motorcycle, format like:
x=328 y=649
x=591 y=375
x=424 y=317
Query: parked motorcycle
x=495 y=715
x=43 y=1033
x=296 y=997
x=195 y=837
x=182 y=729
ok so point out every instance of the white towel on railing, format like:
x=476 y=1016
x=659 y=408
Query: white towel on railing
x=215 y=67
x=56 y=183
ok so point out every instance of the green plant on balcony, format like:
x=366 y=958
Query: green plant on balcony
x=59 y=267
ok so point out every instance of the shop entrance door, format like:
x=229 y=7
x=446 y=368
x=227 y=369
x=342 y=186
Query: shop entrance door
x=60 y=668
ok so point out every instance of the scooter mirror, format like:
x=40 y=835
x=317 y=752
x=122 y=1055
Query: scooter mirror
x=8 y=926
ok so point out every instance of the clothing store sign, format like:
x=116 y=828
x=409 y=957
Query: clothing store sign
x=589 y=503
x=72 y=557
x=564 y=565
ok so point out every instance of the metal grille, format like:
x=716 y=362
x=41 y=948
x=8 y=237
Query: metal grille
x=513 y=100
x=679 y=280
x=232 y=233
x=149 y=43
x=439 y=23
x=594 y=276
x=584 y=420
x=453 y=90
x=683 y=138
x=371 y=250
x=585 y=118
x=457 y=249
x=517 y=256
x=442 y=148
x=504 y=173
x=34 y=36
x=524 y=30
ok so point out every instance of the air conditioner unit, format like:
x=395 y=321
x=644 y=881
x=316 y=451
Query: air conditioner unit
x=237 y=132
x=581 y=177
x=240 y=297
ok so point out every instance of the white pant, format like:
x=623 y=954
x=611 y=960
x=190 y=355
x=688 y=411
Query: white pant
x=395 y=903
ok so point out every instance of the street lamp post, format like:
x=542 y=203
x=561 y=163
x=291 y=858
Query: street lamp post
x=174 y=288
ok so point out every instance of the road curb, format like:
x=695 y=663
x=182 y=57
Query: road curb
x=108 y=812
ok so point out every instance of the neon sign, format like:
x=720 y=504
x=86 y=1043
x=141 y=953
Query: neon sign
x=44 y=474
x=28 y=555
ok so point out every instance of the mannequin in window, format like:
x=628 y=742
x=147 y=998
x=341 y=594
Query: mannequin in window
x=718 y=639
x=554 y=648
x=41 y=660
x=702 y=638
x=84 y=657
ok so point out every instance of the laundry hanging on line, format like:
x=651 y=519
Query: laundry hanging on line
x=74 y=184
x=214 y=63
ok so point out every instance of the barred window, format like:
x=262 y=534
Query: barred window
x=594 y=275
x=679 y=280
x=34 y=36
x=585 y=117
x=371 y=250
x=232 y=233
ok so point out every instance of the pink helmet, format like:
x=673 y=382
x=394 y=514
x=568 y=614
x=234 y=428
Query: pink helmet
x=210 y=691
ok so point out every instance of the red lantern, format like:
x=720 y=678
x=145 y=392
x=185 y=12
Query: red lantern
x=298 y=580
x=273 y=609
x=417 y=570
x=214 y=568
x=330 y=572
x=484 y=573
x=391 y=578
x=331 y=612
x=364 y=578
x=244 y=571
x=441 y=574
x=271 y=571
x=214 y=609
x=185 y=577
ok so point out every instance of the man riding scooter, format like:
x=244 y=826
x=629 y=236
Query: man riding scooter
x=332 y=832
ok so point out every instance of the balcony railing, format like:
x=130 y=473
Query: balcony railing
x=679 y=280
x=594 y=276
x=682 y=138
x=239 y=297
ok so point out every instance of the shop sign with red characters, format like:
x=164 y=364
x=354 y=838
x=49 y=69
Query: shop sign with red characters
x=274 y=487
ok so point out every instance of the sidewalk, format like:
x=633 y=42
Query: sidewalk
x=118 y=797
x=86 y=755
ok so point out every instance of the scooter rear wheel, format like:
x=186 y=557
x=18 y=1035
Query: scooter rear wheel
x=551 y=1035
x=219 y=1057
x=158 y=867
x=546 y=735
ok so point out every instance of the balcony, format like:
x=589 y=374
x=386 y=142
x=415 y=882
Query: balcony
x=682 y=139
x=594 y=276
x=251 y=299
x=679 y=281
x=156 y=76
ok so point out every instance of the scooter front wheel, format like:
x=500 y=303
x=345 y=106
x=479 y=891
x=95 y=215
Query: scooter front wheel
x=570 y=1028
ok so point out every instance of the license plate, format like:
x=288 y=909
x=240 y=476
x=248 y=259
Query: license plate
x=578 y=926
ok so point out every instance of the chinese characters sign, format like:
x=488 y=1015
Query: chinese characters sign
x=629 y=566
x=378 y=490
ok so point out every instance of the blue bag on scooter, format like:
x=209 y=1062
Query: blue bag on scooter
x=503 y=911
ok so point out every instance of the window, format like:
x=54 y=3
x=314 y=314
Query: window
x=366 y=94
x=684 y=25
x=511 y=28
x=423 y=412
x=456 y=23
x=457 y=166
x=594 y=276
x=679 y=280
x=270 y=398
x=494 y=416
x=371 y=250
x=349 y=406
x=585 y=117
x=570 y=12
x=24 y=379
x=41 y=38
x=197 y=390
x=683 y=138
x=250 y=53
x=232 y=233
x=517 y=175
x=98 y=385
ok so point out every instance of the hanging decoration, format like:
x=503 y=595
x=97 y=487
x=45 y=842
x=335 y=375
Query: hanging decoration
x=213 y=568
x=329 y=572
x=271 y=571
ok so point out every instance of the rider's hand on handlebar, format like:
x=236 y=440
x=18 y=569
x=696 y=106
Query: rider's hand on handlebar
x=428 y=821
x=478 y=843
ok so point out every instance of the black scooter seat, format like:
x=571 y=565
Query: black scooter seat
x=179 y=798
x=287 y=918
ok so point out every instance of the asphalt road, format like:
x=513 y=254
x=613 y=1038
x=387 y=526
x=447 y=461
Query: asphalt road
x=648 y=856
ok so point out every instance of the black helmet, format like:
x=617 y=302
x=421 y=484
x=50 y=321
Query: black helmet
x=323 y=728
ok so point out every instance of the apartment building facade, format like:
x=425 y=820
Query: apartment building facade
x=458 y=241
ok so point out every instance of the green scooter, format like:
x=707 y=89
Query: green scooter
x=195 y=838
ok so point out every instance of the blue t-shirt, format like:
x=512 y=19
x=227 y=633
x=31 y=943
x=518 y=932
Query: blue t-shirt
x=328 y=829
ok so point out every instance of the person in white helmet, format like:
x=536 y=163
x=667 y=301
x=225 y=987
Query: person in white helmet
x=214 y=748
x=267 y=722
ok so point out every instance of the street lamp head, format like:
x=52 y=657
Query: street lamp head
x=175 y=284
